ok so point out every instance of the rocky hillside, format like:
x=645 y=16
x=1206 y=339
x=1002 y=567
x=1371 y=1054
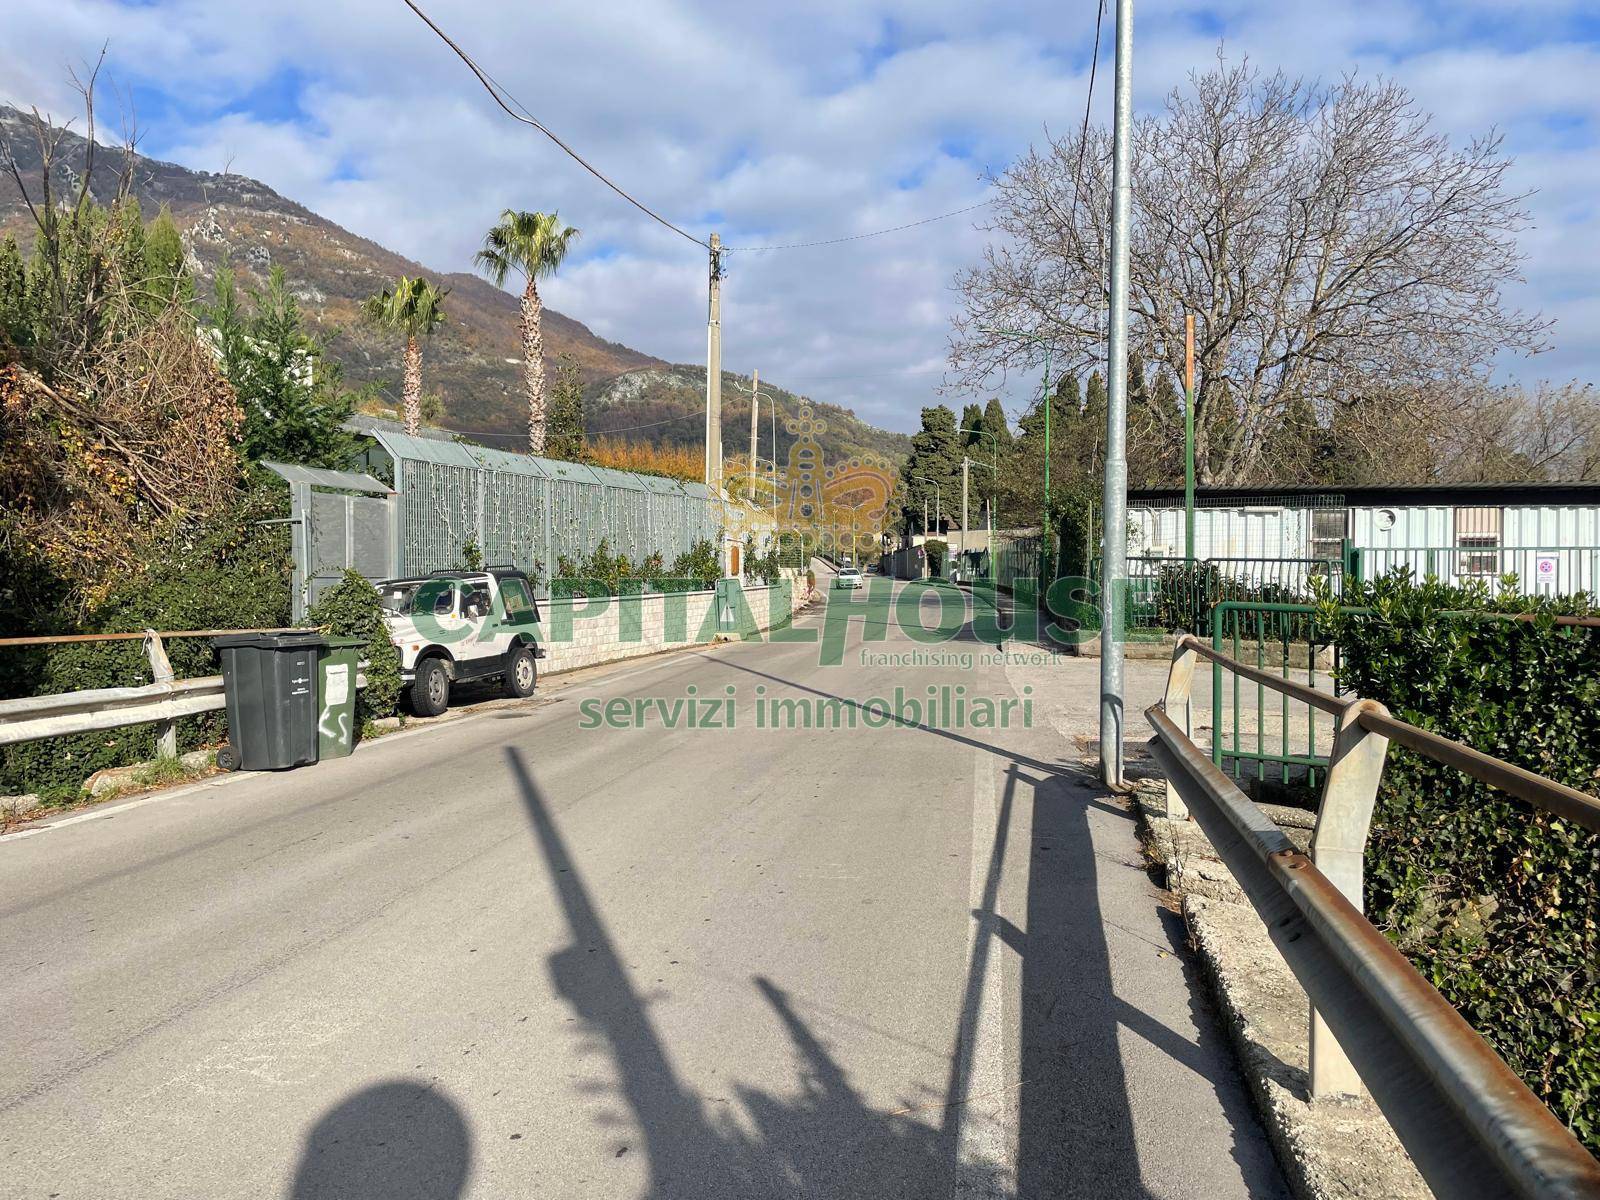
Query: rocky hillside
x=473 y=362
x=666 y=406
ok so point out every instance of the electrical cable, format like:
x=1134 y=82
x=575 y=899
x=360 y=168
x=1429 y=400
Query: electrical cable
x=1083 y=136
x=527 y=118
x=856 y=237
x=501 y=94
x=598 y=432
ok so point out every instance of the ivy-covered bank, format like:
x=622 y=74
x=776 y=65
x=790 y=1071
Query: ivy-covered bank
x=230 y=572
x=1497 y=903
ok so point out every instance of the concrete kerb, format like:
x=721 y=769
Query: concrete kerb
x=1330 y=1149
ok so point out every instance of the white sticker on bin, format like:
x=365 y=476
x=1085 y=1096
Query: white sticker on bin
x=338 y=684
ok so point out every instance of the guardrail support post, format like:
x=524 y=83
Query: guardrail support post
x=1180 y=685
x=161 y=672
x=1338 y=847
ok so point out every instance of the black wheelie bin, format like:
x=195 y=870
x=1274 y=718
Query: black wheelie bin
x=270 y=680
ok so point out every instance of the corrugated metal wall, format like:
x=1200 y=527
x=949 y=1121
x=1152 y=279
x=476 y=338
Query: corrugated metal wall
x=1253 y=531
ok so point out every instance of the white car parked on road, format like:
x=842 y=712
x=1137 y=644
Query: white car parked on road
x=848 y=577
x=454 y=626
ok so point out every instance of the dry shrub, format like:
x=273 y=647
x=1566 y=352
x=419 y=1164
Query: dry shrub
x=674 y=462
x=130 y=441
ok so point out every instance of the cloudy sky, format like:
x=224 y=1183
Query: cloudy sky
x=782 y=123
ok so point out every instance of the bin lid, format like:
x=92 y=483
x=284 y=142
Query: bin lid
x=342 y=643
x=298 y=639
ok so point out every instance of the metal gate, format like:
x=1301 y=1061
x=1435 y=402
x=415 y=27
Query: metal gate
x=340 y=521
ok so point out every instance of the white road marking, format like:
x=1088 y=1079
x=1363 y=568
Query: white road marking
x=113 y=809
x=985 y=1146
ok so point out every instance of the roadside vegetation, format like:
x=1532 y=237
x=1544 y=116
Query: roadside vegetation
x=1495 y=902
x=533 y=245
x=602 y=573
x=131 y=418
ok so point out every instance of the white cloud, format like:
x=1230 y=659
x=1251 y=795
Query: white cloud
x=782 y=124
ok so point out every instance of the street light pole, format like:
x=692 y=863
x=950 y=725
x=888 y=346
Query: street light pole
x=965 y=461
x=1188 y=438
x=1044 y=524
x=937 y=499
x=988 y=509
x=1114 y=561
x=755 y=424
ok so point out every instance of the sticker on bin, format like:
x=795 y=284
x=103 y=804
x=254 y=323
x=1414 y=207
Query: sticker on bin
x=338 y=678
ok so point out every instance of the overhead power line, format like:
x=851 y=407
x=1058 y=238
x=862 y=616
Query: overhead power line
x=1083 y=136
x=500 y=95
x=856 y=237
x=601 y=432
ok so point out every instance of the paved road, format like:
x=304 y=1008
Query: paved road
x=513 y=957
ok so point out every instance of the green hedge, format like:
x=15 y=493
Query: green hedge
x=601 y=573
x=230 y=574
x=1495 y=902
x=350 y=608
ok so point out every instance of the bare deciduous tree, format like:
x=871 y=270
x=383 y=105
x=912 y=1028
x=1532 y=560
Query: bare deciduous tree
x=1334 y=248
x=1505 y=433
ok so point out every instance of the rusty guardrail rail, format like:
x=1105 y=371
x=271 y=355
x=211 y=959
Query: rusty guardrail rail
x=1471 y=1125
x=163 y=701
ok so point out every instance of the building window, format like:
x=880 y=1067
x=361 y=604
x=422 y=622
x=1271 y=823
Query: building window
x=1327 y=533
x=1478 y=536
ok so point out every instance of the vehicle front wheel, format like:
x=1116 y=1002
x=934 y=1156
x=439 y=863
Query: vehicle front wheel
x=521 y=673
x=430 y=690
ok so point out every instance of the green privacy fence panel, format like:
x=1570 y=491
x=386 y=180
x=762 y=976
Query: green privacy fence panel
x=531 y=511
x=1015 y=558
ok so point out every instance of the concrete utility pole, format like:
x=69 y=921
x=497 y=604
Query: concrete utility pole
x=965 y=463
x=1114 y=550
x=755 y=408
x=714 y=372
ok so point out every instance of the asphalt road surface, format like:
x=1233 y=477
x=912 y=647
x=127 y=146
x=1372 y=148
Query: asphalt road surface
x=511 y=956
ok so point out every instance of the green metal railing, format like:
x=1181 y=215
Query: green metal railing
x=1270 y=636
x=1174 y=593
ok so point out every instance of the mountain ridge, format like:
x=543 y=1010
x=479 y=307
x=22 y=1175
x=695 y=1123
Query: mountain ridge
x=472 y=363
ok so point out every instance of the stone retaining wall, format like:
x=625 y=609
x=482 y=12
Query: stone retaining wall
x=586 y=632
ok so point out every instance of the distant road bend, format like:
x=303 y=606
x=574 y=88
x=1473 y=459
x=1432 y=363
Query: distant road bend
x=510 y=956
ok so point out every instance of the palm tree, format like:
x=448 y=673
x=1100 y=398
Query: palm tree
x=533 y=243
x=413 y=307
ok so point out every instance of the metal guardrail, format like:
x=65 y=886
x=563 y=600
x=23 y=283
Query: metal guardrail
x=1471 y=1125
x=161 y=702
x=1555 y=570
x=33 y=718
